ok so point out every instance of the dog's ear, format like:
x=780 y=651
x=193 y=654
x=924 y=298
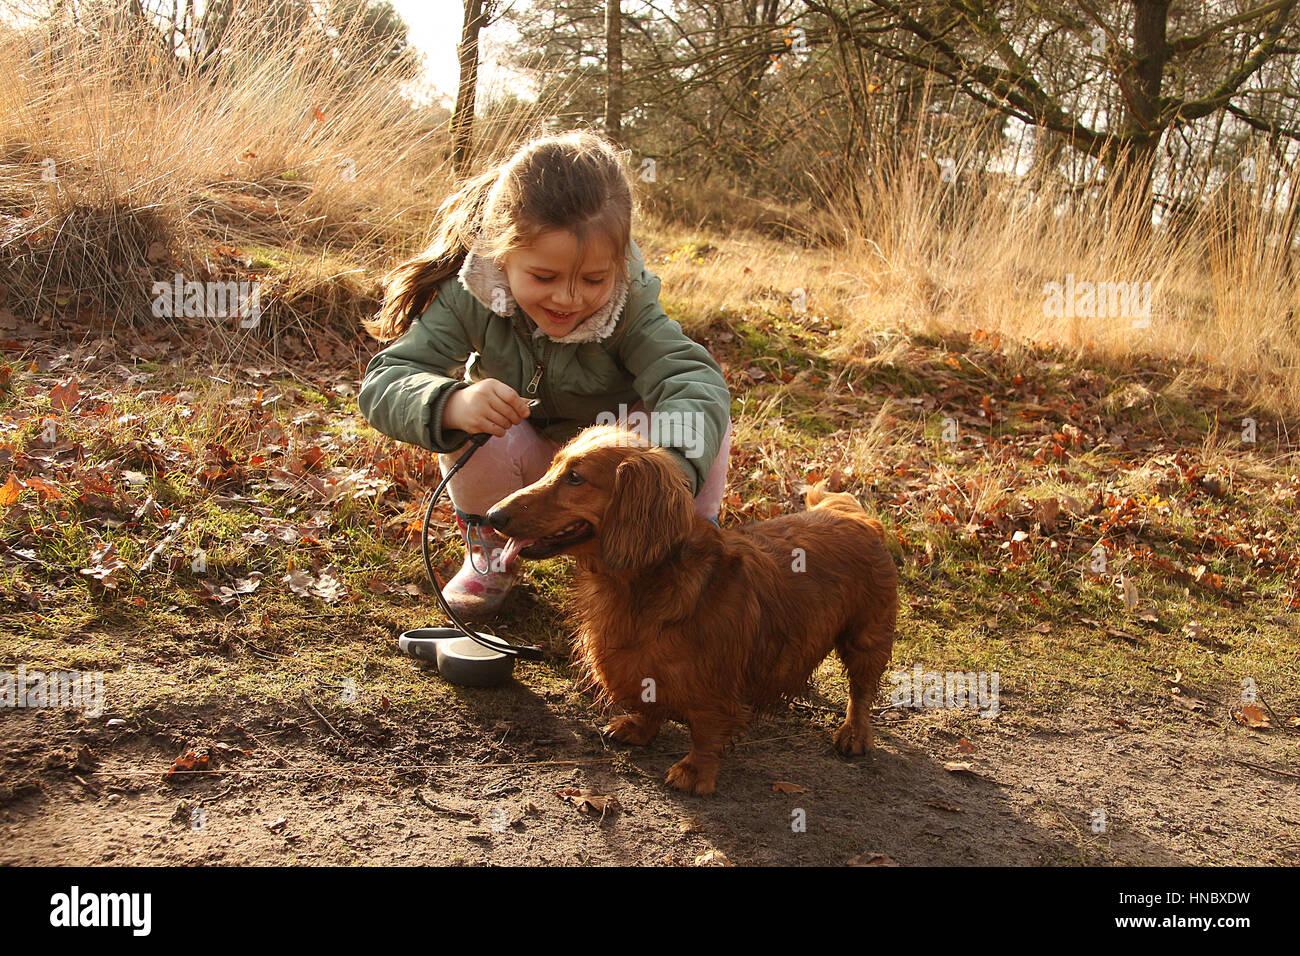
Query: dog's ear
x=648 y=514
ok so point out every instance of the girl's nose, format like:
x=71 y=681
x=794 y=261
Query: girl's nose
x=563 y=297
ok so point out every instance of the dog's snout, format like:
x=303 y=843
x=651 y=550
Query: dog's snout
x=498 y=519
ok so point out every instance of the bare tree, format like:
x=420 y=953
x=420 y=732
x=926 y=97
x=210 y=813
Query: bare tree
x=478 y=15
x=1073 y=68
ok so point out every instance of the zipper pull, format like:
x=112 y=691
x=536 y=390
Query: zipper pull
x=537 y=377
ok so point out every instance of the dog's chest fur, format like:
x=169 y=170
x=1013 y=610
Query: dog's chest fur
x=638 y=654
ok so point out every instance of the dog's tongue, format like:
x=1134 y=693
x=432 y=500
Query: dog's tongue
x=513 y=547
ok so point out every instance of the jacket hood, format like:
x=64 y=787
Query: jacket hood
x=487 y=282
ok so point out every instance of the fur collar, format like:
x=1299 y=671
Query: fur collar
x=485 y=280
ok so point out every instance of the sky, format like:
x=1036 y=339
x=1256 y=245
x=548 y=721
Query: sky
x=434 y=29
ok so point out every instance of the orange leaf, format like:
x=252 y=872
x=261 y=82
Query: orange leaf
x=65 y=394
x=47 y=491
x=1252 y=715
x=12 y=488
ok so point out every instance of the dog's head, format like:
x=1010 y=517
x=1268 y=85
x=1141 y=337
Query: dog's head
x=608 y=494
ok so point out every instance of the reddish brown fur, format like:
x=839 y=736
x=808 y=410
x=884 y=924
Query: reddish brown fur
x=719 y=620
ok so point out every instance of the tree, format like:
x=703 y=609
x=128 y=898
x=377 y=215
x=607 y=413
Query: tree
x=1071 y=68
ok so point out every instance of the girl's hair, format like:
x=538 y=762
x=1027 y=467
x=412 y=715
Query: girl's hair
x=573 y=181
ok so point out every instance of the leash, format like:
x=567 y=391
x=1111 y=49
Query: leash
x=474 y=525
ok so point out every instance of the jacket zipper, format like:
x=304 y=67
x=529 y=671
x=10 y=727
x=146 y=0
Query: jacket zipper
x=532 y=390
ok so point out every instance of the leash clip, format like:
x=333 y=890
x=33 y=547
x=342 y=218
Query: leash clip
x=474 y=525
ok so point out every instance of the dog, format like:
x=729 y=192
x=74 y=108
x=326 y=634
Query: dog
x=679 y=619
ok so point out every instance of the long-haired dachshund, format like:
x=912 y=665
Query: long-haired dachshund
x=681 y=620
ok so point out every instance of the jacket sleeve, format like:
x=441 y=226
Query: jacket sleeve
x=406 y=386
x=680 y=383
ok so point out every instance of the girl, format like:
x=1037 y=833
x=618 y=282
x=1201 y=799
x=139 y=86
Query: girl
x=533 y=292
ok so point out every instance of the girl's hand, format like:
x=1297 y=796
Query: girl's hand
x=487 y=406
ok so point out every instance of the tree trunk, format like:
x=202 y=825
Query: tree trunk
x=613 y=70
x=462 y=117
x=1131 y=160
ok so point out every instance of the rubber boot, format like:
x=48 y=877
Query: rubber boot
x=475 y=596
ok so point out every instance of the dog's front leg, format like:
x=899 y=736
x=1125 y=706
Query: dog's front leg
x=637 y=729
x=697 y=772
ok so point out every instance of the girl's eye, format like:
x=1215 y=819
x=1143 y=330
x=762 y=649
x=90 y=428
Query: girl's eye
x=573 y=478
x=599 y=281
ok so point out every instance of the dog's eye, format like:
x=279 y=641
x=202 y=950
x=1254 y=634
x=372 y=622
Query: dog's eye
x=573 y=478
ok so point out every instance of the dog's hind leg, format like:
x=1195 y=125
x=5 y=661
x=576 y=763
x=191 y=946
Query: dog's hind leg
x=865 y=652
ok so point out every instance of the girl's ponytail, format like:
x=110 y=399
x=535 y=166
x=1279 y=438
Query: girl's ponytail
x=410 y=287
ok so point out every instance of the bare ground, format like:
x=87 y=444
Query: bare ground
x=477 y=784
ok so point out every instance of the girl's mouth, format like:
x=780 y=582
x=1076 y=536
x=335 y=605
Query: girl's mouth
x=559 y=318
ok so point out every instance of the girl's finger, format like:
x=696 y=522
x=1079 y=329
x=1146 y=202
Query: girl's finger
x=497 y=423
x=506 y=410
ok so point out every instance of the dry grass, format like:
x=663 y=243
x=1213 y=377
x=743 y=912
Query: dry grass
x=316 y=177
x=304 y=171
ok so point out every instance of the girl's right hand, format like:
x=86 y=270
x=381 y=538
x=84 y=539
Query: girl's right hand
x=487 y=406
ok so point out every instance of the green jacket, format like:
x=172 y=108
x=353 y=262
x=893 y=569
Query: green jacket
x=627 y=351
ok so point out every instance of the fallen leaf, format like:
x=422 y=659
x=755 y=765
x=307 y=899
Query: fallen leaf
x=1252 y=715
x=590 y=801
x=190 y=761
x=11 y=490
x=713 y=858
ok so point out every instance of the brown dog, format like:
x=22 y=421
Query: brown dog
x=681 y=620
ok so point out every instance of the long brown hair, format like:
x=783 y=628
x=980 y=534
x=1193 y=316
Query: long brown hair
x=574 y=181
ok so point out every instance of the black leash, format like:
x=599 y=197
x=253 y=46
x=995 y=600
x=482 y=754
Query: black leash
x=472 y=523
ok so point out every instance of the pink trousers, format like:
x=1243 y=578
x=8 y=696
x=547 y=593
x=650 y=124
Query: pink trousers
x=519 y=458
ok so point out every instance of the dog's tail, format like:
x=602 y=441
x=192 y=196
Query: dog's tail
x=818 y=497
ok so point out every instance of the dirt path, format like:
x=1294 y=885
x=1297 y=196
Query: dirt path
x=1176 y=788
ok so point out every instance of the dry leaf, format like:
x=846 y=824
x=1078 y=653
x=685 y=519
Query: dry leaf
x=1130 y=593
x=713 y=858
x=11 y=490
x=590 y=801
x=1252 y=715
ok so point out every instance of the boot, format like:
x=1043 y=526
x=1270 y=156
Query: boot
x=474 y=596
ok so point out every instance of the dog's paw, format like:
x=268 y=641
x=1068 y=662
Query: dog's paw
x=632 y=729
x=684 y=775
x=853 y=742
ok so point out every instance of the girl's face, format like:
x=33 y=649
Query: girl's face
x=554 y=289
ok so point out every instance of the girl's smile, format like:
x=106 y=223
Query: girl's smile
x=555 y=290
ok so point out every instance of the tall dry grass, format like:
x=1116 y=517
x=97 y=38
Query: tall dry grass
x=322 y=174
x=927 y=249
x=301 y=161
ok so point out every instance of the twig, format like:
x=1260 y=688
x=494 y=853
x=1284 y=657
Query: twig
x=1280 y=721
x=306 y=701
x=1267 y=769
x=465 y=814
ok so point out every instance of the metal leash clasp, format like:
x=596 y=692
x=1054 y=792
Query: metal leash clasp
x=474 y=525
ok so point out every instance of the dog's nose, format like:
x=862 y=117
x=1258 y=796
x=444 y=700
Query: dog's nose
x=498 y=519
